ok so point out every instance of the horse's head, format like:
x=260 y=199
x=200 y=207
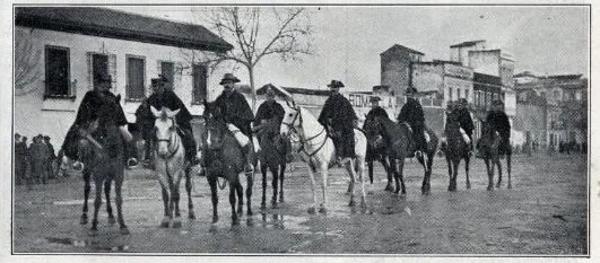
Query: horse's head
x=452 y=121
x=165 y=129
x=215 y=127
x=292 y=120
x=373 y=128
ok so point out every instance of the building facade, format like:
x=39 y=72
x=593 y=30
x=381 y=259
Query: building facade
x=395 y=68
x=60 y=51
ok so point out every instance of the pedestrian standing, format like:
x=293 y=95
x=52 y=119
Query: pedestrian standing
x=39 y=154
x=20 y=162
x=51 y=158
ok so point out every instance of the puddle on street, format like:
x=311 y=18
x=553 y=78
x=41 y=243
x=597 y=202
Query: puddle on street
x=100 y=243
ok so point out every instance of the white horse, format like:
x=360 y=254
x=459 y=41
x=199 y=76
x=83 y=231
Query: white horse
x=317 y=150
x=170 y=166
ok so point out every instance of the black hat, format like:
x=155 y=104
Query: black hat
x=374 y=99
x=462 y=101
x=103 y=77
x=47 y=137
x=229 y=77
x=335 y=84
x=410 y=91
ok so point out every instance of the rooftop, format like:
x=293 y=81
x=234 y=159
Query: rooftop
x=120 y=25
x=467 y=43
x=401 y=47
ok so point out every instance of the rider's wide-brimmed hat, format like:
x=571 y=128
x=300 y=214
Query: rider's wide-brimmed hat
x=335 y=84
x=497 y=102
x=229 y=77
x=463 y=102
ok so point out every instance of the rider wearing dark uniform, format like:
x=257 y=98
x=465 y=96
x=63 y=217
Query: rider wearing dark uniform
x=236 y=111
x=96 y=103
x=465 y=120
x=412 y=113
x=165 y=97
x=339 y=116
x=498 y=121
x=376 y=110
x=269 y=116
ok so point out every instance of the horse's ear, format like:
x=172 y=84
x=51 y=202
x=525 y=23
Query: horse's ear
x=155 y=112
x=171 y=114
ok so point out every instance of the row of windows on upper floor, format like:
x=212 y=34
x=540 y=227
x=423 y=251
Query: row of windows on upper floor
x=58 y=74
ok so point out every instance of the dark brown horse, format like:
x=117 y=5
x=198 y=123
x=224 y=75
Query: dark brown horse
x=490 y=148
x=272 y=156
x=455 y=149
x=378 y=153
x=223 y=157
x=398 y=139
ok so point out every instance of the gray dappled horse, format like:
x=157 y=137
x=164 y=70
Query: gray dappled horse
x=398 y=139
x=489 y=146
x=224 y=158
x=170 y=166
x=272 y=156
x=455 y=149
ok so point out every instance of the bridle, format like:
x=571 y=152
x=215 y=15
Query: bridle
x=173 y=141
x=303 y=141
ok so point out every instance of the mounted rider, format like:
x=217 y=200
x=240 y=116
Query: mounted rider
x=340 y=119
x=237 y=113
x=465 y=121
x=498 y=121
x=163 y=96
x=412 y=114
x=376 y=110
x=96 y=103
x=268 y=117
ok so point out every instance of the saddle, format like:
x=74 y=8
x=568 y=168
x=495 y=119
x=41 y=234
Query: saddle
x=241 y=138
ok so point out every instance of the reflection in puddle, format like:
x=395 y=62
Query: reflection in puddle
x=93 y=244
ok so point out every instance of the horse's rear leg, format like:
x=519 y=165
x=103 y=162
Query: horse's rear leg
x=86 y=195
x=350 y=171
x=188 y=189
x=360 y=169
x=450 y=173
x=313 y=187
x=497 y=162
x=281 y=175
x=249 y=185
x=370 y=167
x=232 y=192
x=263 y=170
x=508 y=167
x=388 y=170
x=107 y=186
x=212 y=182
x=274 y=184
x=401 y=176
x=467 y=159
x=119 y=201
x=490 y=171
x=240 y=197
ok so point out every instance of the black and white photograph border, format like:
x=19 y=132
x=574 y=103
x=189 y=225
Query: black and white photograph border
x=422 y=131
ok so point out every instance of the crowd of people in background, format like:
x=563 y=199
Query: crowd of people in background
x=35 y=162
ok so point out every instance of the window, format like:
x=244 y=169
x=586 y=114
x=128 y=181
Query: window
x=99 y=66
x=135 y=78
x=199 y=80
x=450 y=94
x=578 y=95
x=167 y=70
x=57 y=72
x=557 y=95
x=458 y=93
x=467 y=94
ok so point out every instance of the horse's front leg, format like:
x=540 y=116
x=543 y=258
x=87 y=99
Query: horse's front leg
x=508 y=168
x=385 y=161
x=232 y=192
x=176 y=197
x=212 y=182
x=274 y=184
x=118 y=178
x=324 y=173
x=499 y=164
x=263 y=170
x=249 y=185
x=107 y=186
x=400 y=168
x=313 y=187
x=97 y=202
x=449 y=163
x=467 y=159
x=490 y=171
x=188 y=188
x=281 y=175
x=360 y=169
x=86 y=195
x=166 y=217
x=350 y=171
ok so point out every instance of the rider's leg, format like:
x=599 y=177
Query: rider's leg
x=189 y=144
x=421 y=144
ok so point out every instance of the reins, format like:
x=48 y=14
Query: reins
x=302 y=141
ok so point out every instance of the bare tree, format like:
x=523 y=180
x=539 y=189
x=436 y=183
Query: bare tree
x=27 y=60
x=257 y=33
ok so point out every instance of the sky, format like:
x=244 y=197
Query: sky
x=347 y=41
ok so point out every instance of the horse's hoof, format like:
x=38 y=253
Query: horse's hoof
x=215 y=219
x=176 y=223
x=93 y=232
x=84 y=219
x=274 y=205
x=249 y=213
x=312 y=210
x=490 y=188
x=164 y=223
x=111 y=220
x=235 y=221
x=352 y=203
x=124 y=230
x=192 y=216
x=468 y=186
x=509 y=186
x=389 y=188
x=281 y=199
x=498 y=185
x=263 y=206
x=323 y=210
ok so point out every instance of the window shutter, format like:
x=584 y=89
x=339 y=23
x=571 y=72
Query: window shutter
x=90 y=75
x=177 y=74
x=112 y=69
x=158 y=68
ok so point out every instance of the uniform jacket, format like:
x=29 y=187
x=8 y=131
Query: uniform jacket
x=411 y=112
x=169 y=100
x=499 y=122
x=235 y=110
x=464 y=118
x=269 y=110
x=339 y=110
x=377 y=111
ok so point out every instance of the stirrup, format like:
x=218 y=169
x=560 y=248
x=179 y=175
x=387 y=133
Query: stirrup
x=132 y=162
